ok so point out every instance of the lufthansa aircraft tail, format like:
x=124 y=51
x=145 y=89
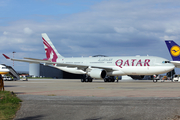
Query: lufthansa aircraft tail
x=174 y=50
x=50 y=50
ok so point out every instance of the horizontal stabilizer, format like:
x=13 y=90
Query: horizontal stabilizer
x=6 y=56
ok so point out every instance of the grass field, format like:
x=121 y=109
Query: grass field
x=9 y=104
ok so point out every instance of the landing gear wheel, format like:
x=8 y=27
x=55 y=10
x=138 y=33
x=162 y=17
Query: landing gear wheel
x=90 y=80
x=113 y=81
x=87 y=80
x=82 y=80
x=109 y=80
x=105 y=79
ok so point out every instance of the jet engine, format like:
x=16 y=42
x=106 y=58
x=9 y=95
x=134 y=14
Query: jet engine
x=97 y=73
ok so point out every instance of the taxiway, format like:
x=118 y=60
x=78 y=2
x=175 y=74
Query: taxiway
x=70 y=99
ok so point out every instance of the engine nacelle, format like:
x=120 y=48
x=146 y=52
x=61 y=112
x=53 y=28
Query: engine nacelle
x=97 y=73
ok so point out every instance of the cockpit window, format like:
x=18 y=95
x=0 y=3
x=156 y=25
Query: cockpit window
x=3 y=67
x=166 y=62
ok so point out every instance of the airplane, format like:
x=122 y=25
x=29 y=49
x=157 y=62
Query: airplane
x=174 y=50
x=3 y=69
x=101 y=67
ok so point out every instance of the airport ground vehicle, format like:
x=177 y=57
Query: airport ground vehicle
x=7 y=78
x=24 y=78
x=161 y=78
x=176 y=78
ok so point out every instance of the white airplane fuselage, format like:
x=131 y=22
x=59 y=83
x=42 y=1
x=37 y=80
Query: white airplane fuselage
x=3 y=69
x=128 y=65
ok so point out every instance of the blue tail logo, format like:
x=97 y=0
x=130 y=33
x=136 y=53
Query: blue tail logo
x=174 y=50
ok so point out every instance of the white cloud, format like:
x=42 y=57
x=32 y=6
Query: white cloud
x=125 y=30
x=25 y=48
x=169 y=37
x=28 y=30
x=5 y=33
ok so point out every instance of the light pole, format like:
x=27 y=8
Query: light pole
x=13 y=57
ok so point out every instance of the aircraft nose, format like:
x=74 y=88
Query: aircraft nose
x=170 y=68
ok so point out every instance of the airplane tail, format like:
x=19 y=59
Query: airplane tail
x=51 y=52
x=174 y=50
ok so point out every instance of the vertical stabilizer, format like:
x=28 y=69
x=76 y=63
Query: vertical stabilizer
x=50 y=50
x=174 y=50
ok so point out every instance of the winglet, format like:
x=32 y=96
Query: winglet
x=6 y=56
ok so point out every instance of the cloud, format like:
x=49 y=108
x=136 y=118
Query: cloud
x=125 y=30
x=28 y=30
x=5 y=33
x=169 y=37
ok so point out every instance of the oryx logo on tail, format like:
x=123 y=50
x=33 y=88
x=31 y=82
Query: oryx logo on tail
x=51 y=52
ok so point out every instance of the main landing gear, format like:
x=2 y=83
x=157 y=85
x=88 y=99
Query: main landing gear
x=86 y=79
x=106 y=79
x=109 y=79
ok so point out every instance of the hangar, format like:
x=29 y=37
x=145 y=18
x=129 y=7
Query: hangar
x=40 y=70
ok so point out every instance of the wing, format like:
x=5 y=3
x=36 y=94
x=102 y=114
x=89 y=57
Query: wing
x=176 y=63
x=57 y=64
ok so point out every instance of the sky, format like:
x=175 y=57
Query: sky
x=87 y=27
